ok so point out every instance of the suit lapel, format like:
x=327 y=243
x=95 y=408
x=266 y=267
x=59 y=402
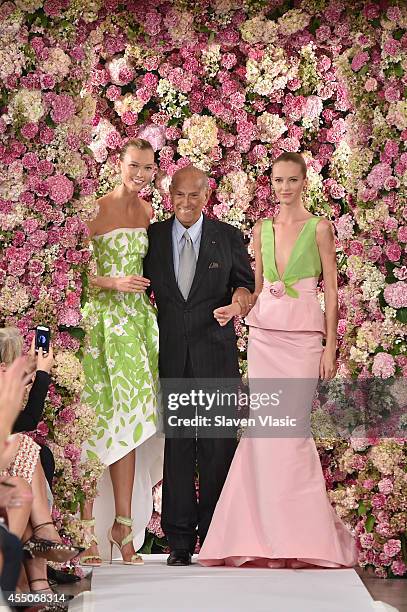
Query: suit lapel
x=208 y=241
x=168 y=258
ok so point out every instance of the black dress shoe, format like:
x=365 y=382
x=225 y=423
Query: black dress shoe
x=179 y=557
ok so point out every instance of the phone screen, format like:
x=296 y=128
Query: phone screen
x=42 y=337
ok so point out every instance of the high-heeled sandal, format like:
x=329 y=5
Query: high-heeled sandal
x=136 y=559
x=53 y=606
x=90 y=560
x=49 y=549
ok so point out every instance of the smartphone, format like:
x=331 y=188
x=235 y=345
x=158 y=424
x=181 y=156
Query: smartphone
x=42 y=338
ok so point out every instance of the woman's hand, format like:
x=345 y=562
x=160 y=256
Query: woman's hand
x=11 y=496
x=130 y=284
x=327 y=365
x=225 y=313
x=45 y=361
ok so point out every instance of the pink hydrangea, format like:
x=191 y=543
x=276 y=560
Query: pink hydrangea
x=63 y=108
x=113 y=93
x=60 y=188
x=360 y=60
x=129 y=118
x=392 y=547
x=378 y=175
x=395 y=294
x=392 y=93
x=391 y=46
x=113 y=140
x=67 y=415
x=29 y=130
x=383 y=366
x=72 y=452
x=370 y=84
x=385 y=486
x=393 y=251
x=399 y=568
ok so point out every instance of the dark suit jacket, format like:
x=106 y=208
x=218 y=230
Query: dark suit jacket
x=222 y=266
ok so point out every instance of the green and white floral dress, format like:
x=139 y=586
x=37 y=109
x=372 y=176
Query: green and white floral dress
x=121 y=360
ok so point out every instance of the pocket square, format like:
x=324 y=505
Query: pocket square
x=213 y=265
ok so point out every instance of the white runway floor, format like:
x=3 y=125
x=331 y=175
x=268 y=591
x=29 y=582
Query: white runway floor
x=156 y=587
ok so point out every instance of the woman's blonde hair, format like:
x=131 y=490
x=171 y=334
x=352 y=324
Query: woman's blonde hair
x=11 y=344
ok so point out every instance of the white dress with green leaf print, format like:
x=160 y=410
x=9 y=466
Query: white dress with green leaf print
x=121 y=361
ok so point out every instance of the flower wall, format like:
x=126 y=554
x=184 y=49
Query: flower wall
x=227 y=86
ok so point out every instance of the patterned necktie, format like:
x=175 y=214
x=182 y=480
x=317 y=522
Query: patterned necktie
x=187 y=266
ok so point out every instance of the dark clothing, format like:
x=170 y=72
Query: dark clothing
x=29 y=418
x=12 y=552
x=194 y=345
x=181 y=512
x=223 y=265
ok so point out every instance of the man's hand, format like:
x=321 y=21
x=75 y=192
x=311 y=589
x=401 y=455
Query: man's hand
x=225 y=313
x=243 y=297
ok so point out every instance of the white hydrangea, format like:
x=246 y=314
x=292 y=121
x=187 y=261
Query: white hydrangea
x=58 y=64
x=293 y=21
x=259 y=30
x=128 y=102
x=171 y=100
x=211 y=59
x=201 y=134
x=397 y=114
x=271 y=74
x=271 y=127
x=68 y=372
x=29 y=6
x=13 y=298
x=374 y=281
x=12 y=57
x=26 y=106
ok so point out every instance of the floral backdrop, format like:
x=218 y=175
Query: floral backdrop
x=227 y=85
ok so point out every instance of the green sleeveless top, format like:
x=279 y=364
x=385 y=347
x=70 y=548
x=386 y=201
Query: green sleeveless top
x=304 y=260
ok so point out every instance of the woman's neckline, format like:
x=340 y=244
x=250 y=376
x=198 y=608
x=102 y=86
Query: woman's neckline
x=280 y=277
x=120 y=229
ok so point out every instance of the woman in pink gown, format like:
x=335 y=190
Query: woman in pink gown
x=274 y=510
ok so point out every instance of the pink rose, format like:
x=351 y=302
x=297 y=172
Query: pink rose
x=277 y=289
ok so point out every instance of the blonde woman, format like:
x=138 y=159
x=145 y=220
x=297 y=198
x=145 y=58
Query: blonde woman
x=121 y=361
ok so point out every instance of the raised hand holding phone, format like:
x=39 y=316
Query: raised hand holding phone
x=42 y=338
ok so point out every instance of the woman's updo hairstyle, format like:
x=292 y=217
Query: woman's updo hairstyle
x=137 y=143
x=297 y=158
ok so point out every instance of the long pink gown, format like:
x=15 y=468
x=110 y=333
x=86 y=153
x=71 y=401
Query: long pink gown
x=274 y=507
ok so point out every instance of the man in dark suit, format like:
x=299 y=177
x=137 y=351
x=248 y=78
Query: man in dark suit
x=201 y=277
